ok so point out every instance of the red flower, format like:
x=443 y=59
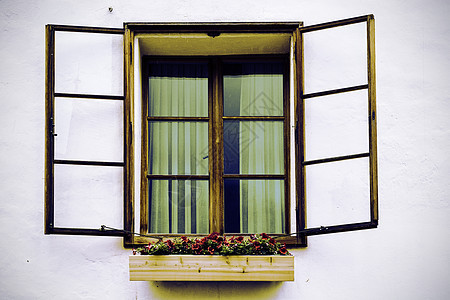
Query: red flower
x=283 y=250
x=211 y=250
x=169 y=243
x=240 y=239
x=272 y=241
x=197 y=247
x=257 y=245
x=213 y=236
x=265 y=236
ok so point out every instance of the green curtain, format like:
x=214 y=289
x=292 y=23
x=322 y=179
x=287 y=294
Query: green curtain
x=181 y=206
x=178 y=148
x=262 y=205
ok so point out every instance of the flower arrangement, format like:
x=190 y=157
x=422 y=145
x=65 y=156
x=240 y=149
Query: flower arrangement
x=215 y=244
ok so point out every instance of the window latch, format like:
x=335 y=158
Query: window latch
x=213 y=34
x=52 y=128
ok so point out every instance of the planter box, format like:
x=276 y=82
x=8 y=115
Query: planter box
x=211 y=268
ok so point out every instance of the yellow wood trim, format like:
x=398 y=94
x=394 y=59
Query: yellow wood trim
x=211 y=268
x=372 y=117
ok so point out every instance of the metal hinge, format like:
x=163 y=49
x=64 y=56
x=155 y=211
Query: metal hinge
x=131 y=53
x=52 y=128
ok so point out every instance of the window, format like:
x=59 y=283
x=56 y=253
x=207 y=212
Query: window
x=212 y=129
x=248 y=122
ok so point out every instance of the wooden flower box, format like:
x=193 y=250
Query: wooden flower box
x=211 y=268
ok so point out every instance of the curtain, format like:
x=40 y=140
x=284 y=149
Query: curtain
x=181 y=147
x=261 y=149
x=178 y=148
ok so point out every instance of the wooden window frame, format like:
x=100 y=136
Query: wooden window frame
x=129 y=32
x=215 y=121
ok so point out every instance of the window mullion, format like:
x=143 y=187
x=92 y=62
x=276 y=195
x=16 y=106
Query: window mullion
x=216 y=209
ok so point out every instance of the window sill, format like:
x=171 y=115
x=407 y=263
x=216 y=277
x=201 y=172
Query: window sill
x=211 y=268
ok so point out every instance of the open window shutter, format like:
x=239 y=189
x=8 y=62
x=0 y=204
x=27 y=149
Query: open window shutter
x=336 y=176
x=85 y=172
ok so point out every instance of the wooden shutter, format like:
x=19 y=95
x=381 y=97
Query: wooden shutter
x=86 y=152
x=304 y=200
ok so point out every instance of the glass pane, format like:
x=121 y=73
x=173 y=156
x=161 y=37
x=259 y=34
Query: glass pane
x=88 y=196
x=89 y=129
x=335 y=58
x=178 y=148
x=253 y=147
x=178 y=89
x=88 y=63
x=254 y=206
x=253 y=89
x=338 y=193
x=336 y=125
x=179 y=206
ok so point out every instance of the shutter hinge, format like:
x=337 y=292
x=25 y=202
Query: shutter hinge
x=130 y=131
x=52 y=128
x=296 y=134
x=131 y=53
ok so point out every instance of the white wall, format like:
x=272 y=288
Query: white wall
x=407 y=257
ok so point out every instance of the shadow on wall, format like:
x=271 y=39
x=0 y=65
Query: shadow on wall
x=214 y=290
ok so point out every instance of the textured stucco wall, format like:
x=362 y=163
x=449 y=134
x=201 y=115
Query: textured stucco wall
x=407 y=257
